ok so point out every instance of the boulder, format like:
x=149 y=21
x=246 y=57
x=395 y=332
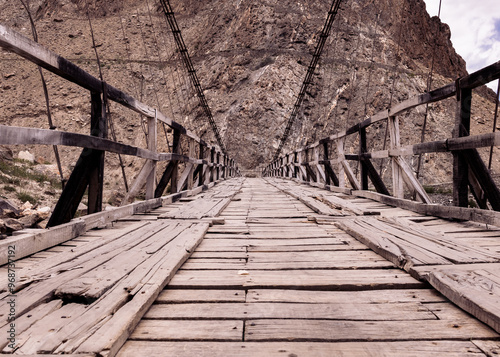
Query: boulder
x=26 y=156
x=6 y=154
x=12 y=225
x=30 y=220
x=8 y=209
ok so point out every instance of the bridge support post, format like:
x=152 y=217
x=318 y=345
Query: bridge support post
x=201 y=167
x=88 y=172
x=191 y=167
x=460 y=167
x=395 y=142
x=170 y=173
x=152 y=144
x=364 y=168
x=341 y=158
x=329 y=173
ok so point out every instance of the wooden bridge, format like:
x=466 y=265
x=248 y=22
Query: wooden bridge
x=312 y=259
x=264 y=267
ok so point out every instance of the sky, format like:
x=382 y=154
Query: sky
x=475 y=30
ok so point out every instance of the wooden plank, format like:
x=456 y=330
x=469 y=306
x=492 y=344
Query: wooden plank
x=24 y=322
x=461 y=213
x=145 y=288
x=169 y=296
x=28 y=341
x=343 y=311
x=407 y=246
x=431 y=348
x=340 y=297
x=324 y=330
x=348 y=259
x=490 y=348
x=93 y=284
x=355 y=245
x=338 y=202
x=322 y=279
x=214 y=264
x=475 y=291
x=158 y=330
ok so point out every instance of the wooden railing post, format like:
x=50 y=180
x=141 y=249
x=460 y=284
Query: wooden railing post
x=460 y=167
x=316 y=164
x=170 y=173
x=213 y=167
x=329 y=173
x=99 y=128
x=364 y=168
x=201 y=156
x=88 y=172
x=395 y=142
x=152 y=144
x=191 y=167
x=175 y=169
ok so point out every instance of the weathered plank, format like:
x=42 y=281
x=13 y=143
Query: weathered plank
x=165 y=330
x=477 y=291
x=325 y=330
x=342 y=311
x=320 y=349
x=322 y=279
x=340 y=297
x=183 y=295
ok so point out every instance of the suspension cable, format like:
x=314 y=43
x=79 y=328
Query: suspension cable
x=169 y=14
x=429 y=86
x=396 y=62
x=310 y=73
x=107 y=108
x=26 y=6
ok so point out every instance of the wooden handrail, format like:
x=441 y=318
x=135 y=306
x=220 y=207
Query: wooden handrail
x=461 y=145
x=91 y=161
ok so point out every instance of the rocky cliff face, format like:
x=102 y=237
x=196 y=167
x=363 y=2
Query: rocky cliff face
x=251 y=57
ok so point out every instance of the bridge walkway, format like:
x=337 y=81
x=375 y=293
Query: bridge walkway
x=279 y=279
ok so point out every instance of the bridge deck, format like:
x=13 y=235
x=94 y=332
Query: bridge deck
x=273 y=282
x=281 y=277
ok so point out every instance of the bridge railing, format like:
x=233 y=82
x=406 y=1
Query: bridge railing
x=325 y=162
x=192 y=163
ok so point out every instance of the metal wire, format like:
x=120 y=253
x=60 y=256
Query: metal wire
x=429 y=86
x=169 y=14
x=310 y=73
x=26 y=6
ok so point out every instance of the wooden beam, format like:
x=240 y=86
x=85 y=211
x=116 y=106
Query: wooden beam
x=364 y=167
x=411 y=180
x=483 y=76
x=350 y=175
x=477 y=191
x=375 y=178
x=139 y=182
x=152 y=143
x=38 y=54
x=99 y=128
x=483 y=176
x=175 y=150
x=461 y=213
x=460 y=167
x=201 y=168
x=12 y=135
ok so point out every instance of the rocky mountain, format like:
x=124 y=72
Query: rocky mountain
x=251 y=57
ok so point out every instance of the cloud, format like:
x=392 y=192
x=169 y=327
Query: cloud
x=475 y=29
